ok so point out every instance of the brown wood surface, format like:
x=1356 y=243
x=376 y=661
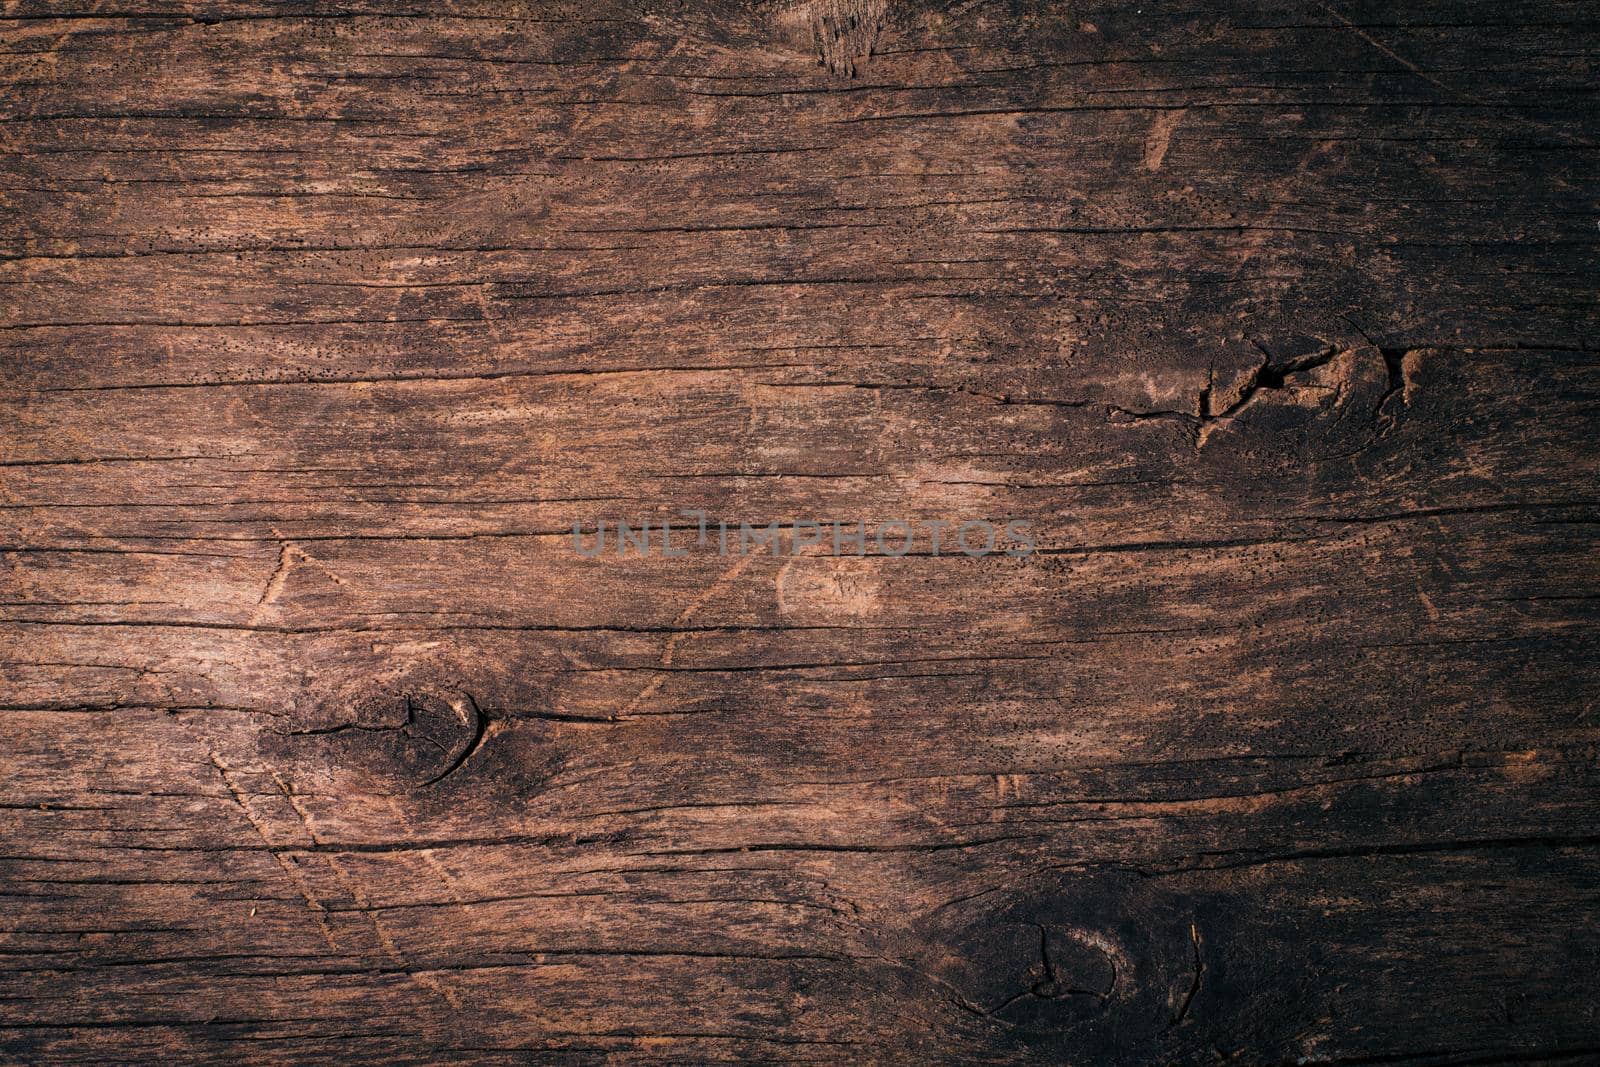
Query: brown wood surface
x=322 y=323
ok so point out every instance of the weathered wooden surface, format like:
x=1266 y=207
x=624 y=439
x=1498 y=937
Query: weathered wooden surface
x=321 y=324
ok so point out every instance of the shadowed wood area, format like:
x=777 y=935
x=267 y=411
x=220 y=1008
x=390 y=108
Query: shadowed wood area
x=322 y=324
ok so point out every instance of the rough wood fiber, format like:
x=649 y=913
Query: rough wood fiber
x=320 y=324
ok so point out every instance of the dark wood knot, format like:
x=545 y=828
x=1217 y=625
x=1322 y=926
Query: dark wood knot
x=421 y=732
x=1093 y=967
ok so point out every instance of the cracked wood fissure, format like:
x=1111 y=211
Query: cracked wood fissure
x=321 y=325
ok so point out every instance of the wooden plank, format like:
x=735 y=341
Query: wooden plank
x=323 y=326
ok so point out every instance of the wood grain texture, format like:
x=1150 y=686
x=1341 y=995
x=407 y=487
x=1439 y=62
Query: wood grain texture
x=322 y=323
